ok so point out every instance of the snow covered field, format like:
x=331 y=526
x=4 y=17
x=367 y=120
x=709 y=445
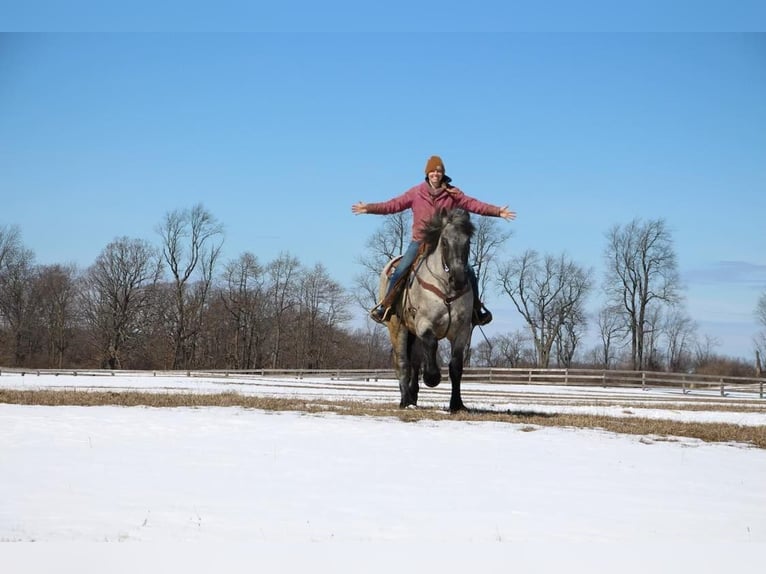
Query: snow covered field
x=210 y=476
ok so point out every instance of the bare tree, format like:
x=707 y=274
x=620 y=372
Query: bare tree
x=281 y=292
x=680 y=335
x=506 y=350
x=57 y=288
x=18 y=301
x=759 y=341
x=641 y=272
x=571 y=333
x=10 y=245
x=704 y=350
x=486 y=243
x=547 y=292
x=10 y=248
x=611 y=330
x=322 y=308
x=119 y=287
x=369 y=348
x=243 y=295
x=191 y=244
x=653 y=330
x=760 y=310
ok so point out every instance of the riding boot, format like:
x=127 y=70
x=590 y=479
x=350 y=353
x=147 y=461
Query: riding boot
x=382 y=311
x=481 y=315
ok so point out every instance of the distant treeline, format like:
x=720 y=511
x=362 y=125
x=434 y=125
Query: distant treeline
x=176 y=305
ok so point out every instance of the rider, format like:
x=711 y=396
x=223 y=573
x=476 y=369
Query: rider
x=425 y=199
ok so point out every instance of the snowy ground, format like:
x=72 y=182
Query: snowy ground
x=229 y=475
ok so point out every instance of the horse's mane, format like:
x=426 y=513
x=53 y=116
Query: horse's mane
x=460 y=218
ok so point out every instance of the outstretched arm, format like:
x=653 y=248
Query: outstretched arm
x=476 y=206
x=394 y=205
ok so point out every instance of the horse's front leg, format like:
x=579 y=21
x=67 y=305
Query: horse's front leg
x=456 y=376
x=431 y=374
x=403 y=354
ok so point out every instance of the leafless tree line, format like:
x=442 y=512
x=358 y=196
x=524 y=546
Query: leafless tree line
x=178 y=306
x=641 y=324
x=145 y=307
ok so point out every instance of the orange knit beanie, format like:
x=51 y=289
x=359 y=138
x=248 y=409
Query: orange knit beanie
x=434 y=162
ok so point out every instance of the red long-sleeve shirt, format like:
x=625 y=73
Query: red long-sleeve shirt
x=425 y=202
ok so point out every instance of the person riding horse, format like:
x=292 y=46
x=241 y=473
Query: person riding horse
x=425 y=199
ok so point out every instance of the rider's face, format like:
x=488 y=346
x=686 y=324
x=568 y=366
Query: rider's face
x=435 y=176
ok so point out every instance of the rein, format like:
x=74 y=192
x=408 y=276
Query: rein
x=441 y=294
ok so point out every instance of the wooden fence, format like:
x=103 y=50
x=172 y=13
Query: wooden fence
x=567 y=377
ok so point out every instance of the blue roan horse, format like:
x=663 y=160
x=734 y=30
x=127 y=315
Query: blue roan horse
x=436 y=304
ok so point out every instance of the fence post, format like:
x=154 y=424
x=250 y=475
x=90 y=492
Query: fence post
x=566 y=377
x=761 y=390
x=643 y=380
x=722 y=393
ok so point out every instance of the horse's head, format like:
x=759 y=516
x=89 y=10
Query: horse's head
x=451 y=231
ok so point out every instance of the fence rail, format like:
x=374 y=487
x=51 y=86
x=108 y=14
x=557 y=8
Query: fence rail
x=566 y=377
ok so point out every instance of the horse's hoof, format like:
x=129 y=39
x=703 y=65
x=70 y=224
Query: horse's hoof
x=432 y=381
x=461 y=408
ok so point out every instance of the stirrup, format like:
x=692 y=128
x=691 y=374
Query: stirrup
x=380 y=314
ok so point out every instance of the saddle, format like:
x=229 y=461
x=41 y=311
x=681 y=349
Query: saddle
x=397 y=288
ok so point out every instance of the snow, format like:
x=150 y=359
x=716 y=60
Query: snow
x=201 y=477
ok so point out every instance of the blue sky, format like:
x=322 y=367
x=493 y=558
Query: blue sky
x=277 y=134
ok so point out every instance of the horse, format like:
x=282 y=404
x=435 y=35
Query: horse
x=436 y=303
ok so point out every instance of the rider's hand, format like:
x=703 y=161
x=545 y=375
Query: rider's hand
x=506 y=213
x=358 y=208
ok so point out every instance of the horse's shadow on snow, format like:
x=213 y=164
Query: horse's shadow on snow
x=517 y=413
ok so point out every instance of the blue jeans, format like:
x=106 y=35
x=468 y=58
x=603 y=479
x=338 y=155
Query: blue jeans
x=404 y=264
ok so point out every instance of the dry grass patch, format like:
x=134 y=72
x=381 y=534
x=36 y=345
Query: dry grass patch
x=530 y=420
